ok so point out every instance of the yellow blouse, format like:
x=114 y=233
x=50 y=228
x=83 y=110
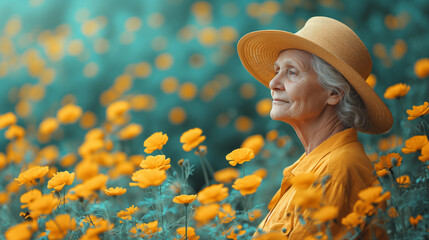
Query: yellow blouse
x=342 y=157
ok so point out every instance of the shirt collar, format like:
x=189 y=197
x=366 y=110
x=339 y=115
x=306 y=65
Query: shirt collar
x=307 y=162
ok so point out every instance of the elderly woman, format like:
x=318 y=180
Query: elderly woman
x=317 y=82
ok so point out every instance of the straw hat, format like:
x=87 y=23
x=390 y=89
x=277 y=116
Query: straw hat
x=328 y=39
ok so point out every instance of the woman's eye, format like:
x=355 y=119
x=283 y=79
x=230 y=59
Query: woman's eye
x=291 y=72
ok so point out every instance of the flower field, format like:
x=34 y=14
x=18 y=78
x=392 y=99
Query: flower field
x=137 y=120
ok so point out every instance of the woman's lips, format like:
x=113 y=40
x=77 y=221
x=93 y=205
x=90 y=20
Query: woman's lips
x=280 y=100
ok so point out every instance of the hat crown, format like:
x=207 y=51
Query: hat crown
x=340 y=40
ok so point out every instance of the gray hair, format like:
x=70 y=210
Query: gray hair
x=350 y=110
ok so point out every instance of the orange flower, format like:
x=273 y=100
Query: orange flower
x=396 y=91
x=303 y=181
x=392 y=212
x=14 y=131
x=371 y=80
x=255 y=214
x=129 y=132
x=117 y=110
x=190 y=234
x=425 y=153
x=192 y=138
x=403 y=181
x=115 y=191
x=272 y=135
x=145 y=229
x=239 y=156
x=383 y=172
x=156 y=162
x=48 y=126
x=415 y=143
x=235 y=231
x=352 y=220
x=262 y=173
x=79 y=191
x=325 y=213
x=97 y=182
x=155 y=141
x=68 y=114
x=363 y=208
x=213 y=193
x=148 y=177
x=22 y=231
x=60 y=179
x=59 y=226
x=373 y=194
x=32 y=174
x=43 y=205
x=309 y=198
x=415 y=220
x=29 y=197
x=205 y=213
x=421 y=68
x=126 y=214
x=247 y=185
x=226 y=175
x=7 y=119
x=226 y=214
x=255 y=142
x=184 y=199
x=101 y=225
x=418 y=111
x=388 y=161
x=86 y=169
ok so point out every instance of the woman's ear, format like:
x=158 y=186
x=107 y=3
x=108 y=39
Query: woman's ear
x=334 y=98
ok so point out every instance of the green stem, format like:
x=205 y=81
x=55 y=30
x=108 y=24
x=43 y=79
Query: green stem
x=186 y=221
x=209 y=166
x=242 y=168
x=160 y=204
x=245 y=207
x=206 y=178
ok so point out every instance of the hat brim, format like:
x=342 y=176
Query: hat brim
x=259 y=50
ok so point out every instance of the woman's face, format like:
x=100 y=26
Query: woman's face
x=296 y=92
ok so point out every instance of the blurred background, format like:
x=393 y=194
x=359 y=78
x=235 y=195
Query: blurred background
x=175 y=61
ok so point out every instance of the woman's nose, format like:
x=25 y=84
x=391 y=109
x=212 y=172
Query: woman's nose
x=276 y=83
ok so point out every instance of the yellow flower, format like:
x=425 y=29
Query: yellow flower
x=60 y=179
x=396 y=91
x=303 y=181
x=14 y=131
x=59 y=226
x=386 y=162
x=363 y=208
x=325 y=213
x=94 y=134
x=79 y=191
x=32 y=174
x=4 y=198
x=86 y=169
x=115 y=191
x=43 y=205
x=7 y=119
x=239 y=156
x=205 y=213
x=155 y=141
x=156 y=162
x=226 y=175
x=117 y=110
x=129 y=132
x=226 y=214
x=213 y=193
x=272 y=135
x=234 y=232
x=22 y=231
x=415 y=143
x=29 y=197
x=126 y=214
x=262 y=173
x=309 y=198
x=373 y=194
x=255 y=142
x=190 y=234
x=415 y=220
x=425 y=153
x=101 y=225
x=192 y=138
x=247 y=185
x=403 y=181
x=148 y=177
x=68 y=114
x=352 y=220
x=48 y=126
x=255 y=214
x=418 y=111
x=68 y=160
x=184 y=199
x=421 y=68
x=146 y=229
x=97 y=182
